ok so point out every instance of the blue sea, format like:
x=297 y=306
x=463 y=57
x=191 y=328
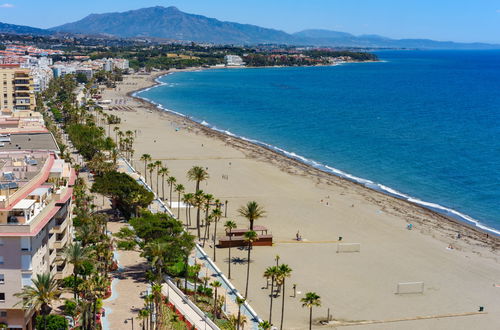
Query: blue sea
x=421 y=125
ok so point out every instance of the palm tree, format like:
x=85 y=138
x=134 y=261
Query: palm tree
x=239 y=301
x=229 y=225
x=198 y=200
x=249 y=237
x=163 y=172
x=265 y=325
x=311 y=300
x=284 y=271
x=179 y=189
x=158 y=165
x=155 y=252
x=151 y=168
x=40 y=296
x=145 y=158
x=76 y=255
x=171 y=182
x=252 y=211
x=116 y=129
x=187 y=199
x=271 y=273
x=206 y=203
x=216 y=215
x=215 y=285
x=198 y=174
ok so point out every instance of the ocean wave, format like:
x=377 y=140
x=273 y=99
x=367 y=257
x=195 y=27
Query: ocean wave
x=365 y=182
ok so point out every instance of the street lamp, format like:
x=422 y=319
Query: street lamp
x=130 y=319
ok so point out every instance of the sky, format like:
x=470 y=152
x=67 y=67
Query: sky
x=455 y=20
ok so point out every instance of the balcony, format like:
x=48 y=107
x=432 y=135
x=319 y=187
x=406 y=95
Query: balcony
x=22 y=82
x=61 y=224
x=62 y=271
x=52 y=256
x=61 y=243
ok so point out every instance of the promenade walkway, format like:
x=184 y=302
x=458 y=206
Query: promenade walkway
x=208 y=266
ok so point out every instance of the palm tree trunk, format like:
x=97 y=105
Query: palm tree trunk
x=198 y=222
x=310 y=317
x=239 y=317
x=215 y=305
x=163 y=188
x=178 y=206
x=251 y=224
x=271 y=304
x=282 y=303
x=248 y=269
x=215 y=234
x=171 y=187
x=229 y=263
x=145 y=173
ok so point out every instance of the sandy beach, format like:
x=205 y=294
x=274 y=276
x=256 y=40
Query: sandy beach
x=354 y=286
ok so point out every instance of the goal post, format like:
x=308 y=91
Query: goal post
x=348 y=247
x=410 y=287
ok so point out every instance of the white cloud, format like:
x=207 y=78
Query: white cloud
x=6 y=5
x=498 y=11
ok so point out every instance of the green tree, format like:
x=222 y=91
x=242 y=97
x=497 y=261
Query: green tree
x=179 y=189
x=271 y=273
x=145 y=158
x=239 y=302
x=126 y=194
x=51 y=322
x=216 y=285
x=249 y=237
x=284 y=271
x=197 y=174
x=229 y=226
x=171 y=182
x=40 y=296
x=163 y=172
x=252 y=211
x=76 y=255
x=311 y=300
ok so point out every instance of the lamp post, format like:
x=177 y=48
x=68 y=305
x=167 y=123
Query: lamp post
x=130 y=319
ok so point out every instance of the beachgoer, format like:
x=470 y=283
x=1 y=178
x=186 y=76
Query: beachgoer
x=297 y=235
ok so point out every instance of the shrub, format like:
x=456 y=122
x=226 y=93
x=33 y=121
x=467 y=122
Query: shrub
x=54 y=322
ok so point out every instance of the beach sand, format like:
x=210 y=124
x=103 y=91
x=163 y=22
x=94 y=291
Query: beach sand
x=354 y=286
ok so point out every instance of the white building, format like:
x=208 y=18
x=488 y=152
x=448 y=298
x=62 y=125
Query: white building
x=233 y=60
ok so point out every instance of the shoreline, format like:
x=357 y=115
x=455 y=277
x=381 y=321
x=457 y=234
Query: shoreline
x=298 y=197
x=447 y=214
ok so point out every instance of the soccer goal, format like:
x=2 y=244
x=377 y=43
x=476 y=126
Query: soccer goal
x=410 y=287
x=348 y=247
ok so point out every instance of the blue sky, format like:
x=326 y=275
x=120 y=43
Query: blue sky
x=457 y=20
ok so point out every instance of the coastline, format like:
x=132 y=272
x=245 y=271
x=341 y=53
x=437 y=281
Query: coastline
x=359 y=286
x=479 y=231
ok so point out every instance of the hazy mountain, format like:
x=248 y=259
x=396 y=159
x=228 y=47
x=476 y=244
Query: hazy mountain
x=334 y=38
x=171 y=23
x=21 y=29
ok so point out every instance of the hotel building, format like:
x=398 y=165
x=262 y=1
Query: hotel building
x=35 y=218
x=16 y=88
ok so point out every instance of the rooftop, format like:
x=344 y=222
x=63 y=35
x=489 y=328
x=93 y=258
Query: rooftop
x=28 y=141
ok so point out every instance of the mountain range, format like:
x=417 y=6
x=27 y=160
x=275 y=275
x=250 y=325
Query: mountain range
x=171 y=23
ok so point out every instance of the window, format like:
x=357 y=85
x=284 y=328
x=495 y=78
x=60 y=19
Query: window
x=25 y=243
x=2 y=278
x=1 y=260
x=2 y=296
x=1 y=241
x=3 y=313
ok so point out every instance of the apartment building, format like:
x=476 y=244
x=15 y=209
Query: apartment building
x=16 y=88
x=35 y=222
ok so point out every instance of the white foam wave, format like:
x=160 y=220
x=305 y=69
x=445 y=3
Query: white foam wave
x=365 y=182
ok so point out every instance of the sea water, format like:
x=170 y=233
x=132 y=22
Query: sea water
x=421 y=125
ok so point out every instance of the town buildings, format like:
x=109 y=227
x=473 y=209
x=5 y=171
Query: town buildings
x=35 y=218
x=17 y=88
